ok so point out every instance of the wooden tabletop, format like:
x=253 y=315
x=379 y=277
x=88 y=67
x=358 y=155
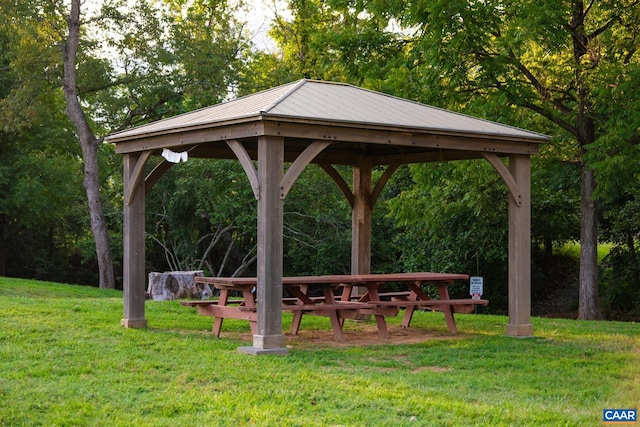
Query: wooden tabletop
x=341 y=278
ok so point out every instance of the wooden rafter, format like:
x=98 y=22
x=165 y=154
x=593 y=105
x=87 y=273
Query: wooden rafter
x=136 y=176
x=337 y=178
x=247 y=165
x=383 y=181
x=506 y=176
x=299 y=164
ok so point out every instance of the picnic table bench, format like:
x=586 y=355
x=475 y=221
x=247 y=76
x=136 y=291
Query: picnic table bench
x=340 y=306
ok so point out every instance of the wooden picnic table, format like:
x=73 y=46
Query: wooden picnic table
x=416 y=296
x=347 y=306
x=303 y=302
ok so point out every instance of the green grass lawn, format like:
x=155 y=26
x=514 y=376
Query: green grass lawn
x=572 y=249
x=66 y=361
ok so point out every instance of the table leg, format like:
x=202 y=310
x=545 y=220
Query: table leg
x=408 y=311
x=250 y=301
x=346 y=297
x=217 y=322
x=443 y=291
x=451 y=322
x=336 y=321
x=416 y=294
x=382 y=323
x=299 y=292
x=346 y=293
x=336 y=325
x=295 y=322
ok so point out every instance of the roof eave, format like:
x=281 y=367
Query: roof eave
x=531 y=137
x=127 y=136
x=255 y=125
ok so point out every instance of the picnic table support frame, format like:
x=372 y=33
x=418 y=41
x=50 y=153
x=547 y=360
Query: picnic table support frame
x=269 y=338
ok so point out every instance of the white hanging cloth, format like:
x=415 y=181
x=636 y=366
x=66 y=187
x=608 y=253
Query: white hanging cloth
x=174 y=157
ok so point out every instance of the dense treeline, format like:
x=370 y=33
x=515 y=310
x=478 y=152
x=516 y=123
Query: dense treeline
x=567 y=69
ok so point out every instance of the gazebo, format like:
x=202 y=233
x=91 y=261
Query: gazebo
x=328 y=124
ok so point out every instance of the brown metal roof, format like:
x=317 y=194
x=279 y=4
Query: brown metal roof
x=341 y=104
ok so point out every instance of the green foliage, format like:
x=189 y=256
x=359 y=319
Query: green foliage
x=514 y=62
x=555 y=203
x=317 y=222
x=156 y=60
x=332 y=40
x=454 y=218
x=137 y=61
x=615 y=156
x=565 y=68
x=41 y=208
x=620 y=284
x=264 y=71
x=67 y=361
x=29 y=53
x=202 y=214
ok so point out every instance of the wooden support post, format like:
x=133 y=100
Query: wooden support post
x=361 y=217
x=134 y=255
x=520 y=250
x=269 y=338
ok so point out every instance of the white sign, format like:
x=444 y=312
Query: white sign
x=475 y=286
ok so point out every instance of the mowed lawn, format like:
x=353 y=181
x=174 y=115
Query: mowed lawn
x=66 y=361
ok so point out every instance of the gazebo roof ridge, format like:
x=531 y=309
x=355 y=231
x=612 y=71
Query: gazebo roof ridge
x=296 y=84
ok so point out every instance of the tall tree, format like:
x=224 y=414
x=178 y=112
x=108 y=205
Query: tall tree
x=119 y=64
x=40 y=176
x=89 y=144
x=553 y=58
x=560 y=60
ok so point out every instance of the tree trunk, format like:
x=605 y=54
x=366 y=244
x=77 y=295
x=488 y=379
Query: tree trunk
x=589 y=304
x=89 y=144
x=548 y=248
x=172 y=285
x=98 y=221
x=588 y=307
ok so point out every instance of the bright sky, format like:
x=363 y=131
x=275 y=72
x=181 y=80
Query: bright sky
x=259 y=15
x=259 y=18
